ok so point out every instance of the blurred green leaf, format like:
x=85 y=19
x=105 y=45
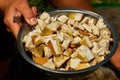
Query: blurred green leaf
x=42 y=5
x=104 y=1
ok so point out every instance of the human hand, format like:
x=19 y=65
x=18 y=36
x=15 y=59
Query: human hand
x=116 y=58
x=12 y=8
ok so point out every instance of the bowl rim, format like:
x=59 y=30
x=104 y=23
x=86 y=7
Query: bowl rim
x=112 y=28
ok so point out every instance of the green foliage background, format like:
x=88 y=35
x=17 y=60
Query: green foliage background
x=42 y=5
x=104 y=1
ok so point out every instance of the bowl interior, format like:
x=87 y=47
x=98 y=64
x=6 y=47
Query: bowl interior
x=26 y=28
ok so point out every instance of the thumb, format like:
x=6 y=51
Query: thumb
x=27 y=13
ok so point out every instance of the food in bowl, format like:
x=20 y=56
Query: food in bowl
x=71 y=41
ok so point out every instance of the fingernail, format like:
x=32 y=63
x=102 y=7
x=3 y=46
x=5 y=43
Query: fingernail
x=32 y=20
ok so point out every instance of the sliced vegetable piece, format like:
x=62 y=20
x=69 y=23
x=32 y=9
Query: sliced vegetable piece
x=39 y=60
x=87 y=52
x=38 y=51
x=55 y=47
x=59 y=61
x=86 y=41
x=49 y=64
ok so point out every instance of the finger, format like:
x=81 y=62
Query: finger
x=34 y=10
x=8 y=19
x=14 y=28
x=27 y=13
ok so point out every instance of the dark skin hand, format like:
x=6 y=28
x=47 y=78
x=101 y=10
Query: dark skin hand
x=11 y=8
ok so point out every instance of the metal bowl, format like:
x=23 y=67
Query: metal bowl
x=70 y=73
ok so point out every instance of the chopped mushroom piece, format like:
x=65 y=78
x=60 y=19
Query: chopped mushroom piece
x=44 y=16
x=95 y=29
x=63 y=18
x=49 y=64
x=86 y=41
x=54 y=26
x=76 y=40
x=67 y=52
x=74 y=62
x=59 y=61
x=40 y=60
x=84 y=20
x=89 y=55
x=75 y=16
x=55 y=47
x=100 y=23
x=47 y=52
x=65 y=44
x=60 y=36
x=66 y=29
x=82 y=66
x=38 y=51
x=41 y=24
x=86 y=27
x=95 y=48
x=81 y=53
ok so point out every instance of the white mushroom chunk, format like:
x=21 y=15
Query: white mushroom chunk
x=81 y=53
x=38 y=51
x=76 y=40
x=95 y=47
x=82 y=66
x=66 y=29
x=84 y=20
x=78 y=17
x=95 y=29
x=104 y=44
x=87 y=27
x=76 y=33
x=47 y=52
x=37 y=29
x=87 y=51
x=55 y=47
x=41 y=24
x=100 y=23
x=47 y=20
x=74 y=62
x=105 y=33
x=54 y=26
x=49 y=64
x=65 y=44
x=44 y=16
x=75 y=16
x=74 y=54
x=62 y=18
x=60 y=36
x=67 y=52
x=28 y=42
x=71 y=21
x=59 y=61
x=86 y=41
x=98 y=58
